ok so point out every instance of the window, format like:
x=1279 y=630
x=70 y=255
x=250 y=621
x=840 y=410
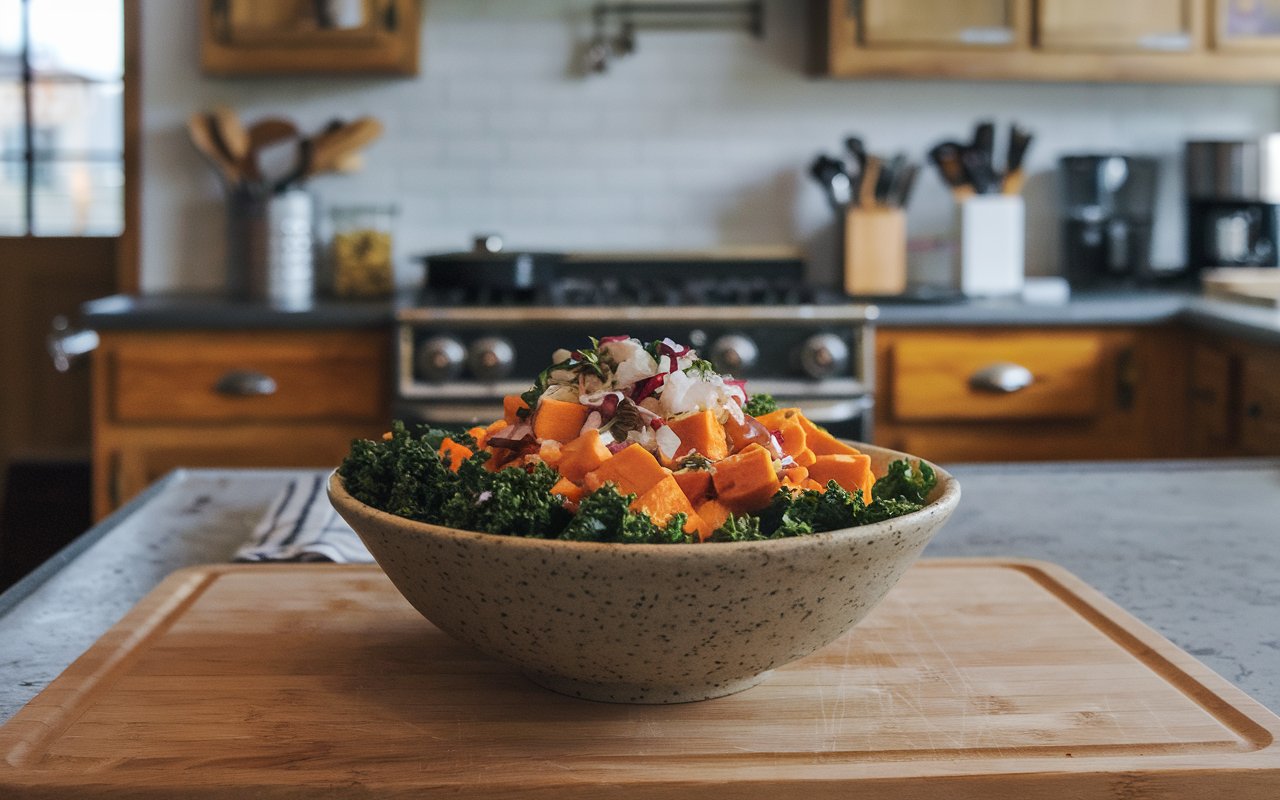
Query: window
x=61 y=117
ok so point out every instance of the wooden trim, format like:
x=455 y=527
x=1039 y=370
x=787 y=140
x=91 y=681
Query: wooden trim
x=128 y=266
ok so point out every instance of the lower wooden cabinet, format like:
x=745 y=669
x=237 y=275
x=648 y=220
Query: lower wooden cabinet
x=1235 y=398
x=168 y=399
x=1018 y=394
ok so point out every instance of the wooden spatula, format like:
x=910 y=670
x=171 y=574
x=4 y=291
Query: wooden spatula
x=230 y=133
x=330 y=148
x=263 y=134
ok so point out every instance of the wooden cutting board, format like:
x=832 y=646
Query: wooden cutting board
x=974 y=679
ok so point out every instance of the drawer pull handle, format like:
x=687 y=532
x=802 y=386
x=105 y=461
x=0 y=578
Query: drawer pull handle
x=1002 y=378
x=245 y=383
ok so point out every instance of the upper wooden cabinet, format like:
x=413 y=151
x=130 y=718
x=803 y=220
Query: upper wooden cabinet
x=1225 y=41
x=283 y=37
x=1161 y=26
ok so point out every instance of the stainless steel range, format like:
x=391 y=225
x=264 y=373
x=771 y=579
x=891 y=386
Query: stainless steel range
x=484 y=328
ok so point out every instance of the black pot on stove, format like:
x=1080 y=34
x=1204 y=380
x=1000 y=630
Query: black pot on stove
x=488 y=267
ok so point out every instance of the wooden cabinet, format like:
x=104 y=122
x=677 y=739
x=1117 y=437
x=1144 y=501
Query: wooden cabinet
x=1015 y=394
x=1051 y=40
x=231 y=399
x=1235 y=398
x=283 y=37
x=1131 y=26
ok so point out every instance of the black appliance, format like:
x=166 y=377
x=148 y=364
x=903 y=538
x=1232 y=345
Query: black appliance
x=1233 y=217
x=463 y=345
x=1107 y=208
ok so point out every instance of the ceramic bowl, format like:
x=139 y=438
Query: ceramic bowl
x=662 y=623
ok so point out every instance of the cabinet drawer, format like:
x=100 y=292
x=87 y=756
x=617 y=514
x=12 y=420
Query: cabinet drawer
x=939 y=377
x=244 y=377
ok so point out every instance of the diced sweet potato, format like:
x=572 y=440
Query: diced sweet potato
x=511 y=404
x=774 y=420
x=795 y=475
x=551 y=452
x=570 y=491
x=633 y=469
x=695 y=483
x=559 y=419
x=700 y=432
x=851 y=472
x=823 y=443
x=479 y=433
x=745 y=482
x=713 y=513
x=664 y=499
x=582 y=455
x=456 y=453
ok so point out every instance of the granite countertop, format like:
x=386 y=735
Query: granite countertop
x=1190 y=547
x=1118 y=307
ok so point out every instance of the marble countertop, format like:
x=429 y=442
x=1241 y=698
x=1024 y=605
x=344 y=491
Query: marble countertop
x=1190 y=547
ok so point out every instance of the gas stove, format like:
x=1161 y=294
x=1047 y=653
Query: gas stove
x=461 y=348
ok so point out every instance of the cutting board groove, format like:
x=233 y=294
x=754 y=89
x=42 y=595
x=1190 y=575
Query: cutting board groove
x=973 y=679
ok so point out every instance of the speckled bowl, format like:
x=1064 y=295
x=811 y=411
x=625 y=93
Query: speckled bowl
x=657 y=623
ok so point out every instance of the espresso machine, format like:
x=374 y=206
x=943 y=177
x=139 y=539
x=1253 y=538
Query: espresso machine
x=1107 y=209
x=1233 y=203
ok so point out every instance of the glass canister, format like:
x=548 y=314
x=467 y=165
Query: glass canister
x=361 y=255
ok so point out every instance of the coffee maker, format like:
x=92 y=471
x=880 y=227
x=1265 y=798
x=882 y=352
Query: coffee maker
x=1107 y=210
x=1233 y=203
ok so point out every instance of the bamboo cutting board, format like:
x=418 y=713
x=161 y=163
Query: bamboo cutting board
x=973 y=679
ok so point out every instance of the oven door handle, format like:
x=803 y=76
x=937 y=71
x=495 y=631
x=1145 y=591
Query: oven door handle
x=460 y=414
x=830 y=412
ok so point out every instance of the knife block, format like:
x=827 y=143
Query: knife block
x=875 y=251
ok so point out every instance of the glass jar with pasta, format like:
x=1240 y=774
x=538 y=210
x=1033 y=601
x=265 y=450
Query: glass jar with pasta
x=361 y=257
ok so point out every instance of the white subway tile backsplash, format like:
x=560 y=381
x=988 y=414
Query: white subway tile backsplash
x=696 y=140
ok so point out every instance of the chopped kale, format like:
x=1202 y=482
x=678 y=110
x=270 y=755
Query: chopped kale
x=605 y=515
x=902 y=482
x=760 y=404
x=738 y=528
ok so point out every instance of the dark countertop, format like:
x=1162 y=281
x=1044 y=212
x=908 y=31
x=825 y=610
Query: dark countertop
x=1190 y=547
x=1098 y=308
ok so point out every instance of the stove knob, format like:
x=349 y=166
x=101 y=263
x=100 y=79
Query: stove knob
x=734 y=354
x=823 y=355
x=440 y=358
x=491 y=358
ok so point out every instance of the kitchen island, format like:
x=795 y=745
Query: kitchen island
x=1189 y=547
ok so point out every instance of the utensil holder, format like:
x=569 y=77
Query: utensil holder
x=992 y=233
x=875 y=251
x=271 y=246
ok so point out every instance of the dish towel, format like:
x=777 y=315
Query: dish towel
x=301 y=525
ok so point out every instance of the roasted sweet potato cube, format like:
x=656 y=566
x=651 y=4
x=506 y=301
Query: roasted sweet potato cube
x=713 y=513
x=582 y=455
x=570 y=491
x=559 y=419
x=633 y=469
x=695 y=483
x=700 y=432
x=665 y=499
x=511 y=404
x=454 y=452
x=745 y=482
x=851 y=472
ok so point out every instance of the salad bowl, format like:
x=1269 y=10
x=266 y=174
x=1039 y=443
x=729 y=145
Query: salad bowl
x=647 y=623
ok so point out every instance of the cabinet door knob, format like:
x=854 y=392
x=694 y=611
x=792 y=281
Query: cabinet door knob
x=245 y=383
x=1002 y=378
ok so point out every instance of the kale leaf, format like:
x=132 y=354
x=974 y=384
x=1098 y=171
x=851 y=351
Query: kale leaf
x=760 y=404
x=738 y=528
x=902 y=482
x=605 y=515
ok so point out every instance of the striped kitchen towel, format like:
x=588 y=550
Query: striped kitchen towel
x=301 y=525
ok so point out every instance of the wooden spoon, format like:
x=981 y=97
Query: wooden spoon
x=200 y=130
x=230 y=133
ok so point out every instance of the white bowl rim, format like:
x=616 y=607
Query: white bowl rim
x=943 y=503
